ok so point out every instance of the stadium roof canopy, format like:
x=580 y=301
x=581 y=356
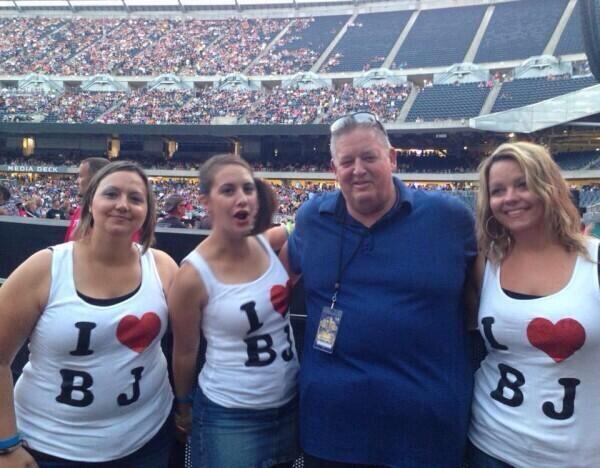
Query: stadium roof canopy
x=182 y=4
x=151 y=3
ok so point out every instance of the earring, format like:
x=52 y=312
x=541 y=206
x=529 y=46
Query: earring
x=486 y=228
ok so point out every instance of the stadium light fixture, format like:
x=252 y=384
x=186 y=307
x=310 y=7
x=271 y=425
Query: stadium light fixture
x=28 y=146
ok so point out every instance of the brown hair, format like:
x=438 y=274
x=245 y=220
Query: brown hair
x=543 y=178
x=95 y=164
x=267 y=201
x=87 y=221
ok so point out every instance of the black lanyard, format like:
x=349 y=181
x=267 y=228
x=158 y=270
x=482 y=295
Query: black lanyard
x=342 y=268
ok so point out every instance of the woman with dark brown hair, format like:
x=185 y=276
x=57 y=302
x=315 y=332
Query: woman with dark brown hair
x=96 y=388
x=234 y=290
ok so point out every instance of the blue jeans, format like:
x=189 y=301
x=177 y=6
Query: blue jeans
x=154 y=454
x=479 y=459
x=243 y=438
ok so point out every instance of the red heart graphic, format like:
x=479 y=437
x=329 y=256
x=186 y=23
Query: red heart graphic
x=558 y=341
x=138 y=333
x=280 y=297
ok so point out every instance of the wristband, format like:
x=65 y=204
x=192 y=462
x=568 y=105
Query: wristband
x=187 y=399
x=10 y=441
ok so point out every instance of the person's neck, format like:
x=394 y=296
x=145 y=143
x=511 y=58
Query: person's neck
x=533 y=241
x=105 y=250
x=369 y=219
x=228 y=247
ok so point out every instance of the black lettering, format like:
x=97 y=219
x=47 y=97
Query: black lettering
x=83 y=339
x=254 y=351
x=249 y=308
x=288 y=354
x=122 y=399
x=68 y=387
x=504 y=382
x=568 y=401
x=487 y=330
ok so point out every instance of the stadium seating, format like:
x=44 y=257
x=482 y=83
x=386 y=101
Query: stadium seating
x=440 y=37
x=519 y=30
x=571 y=41
x=302 y=46
x=575 y=161
x=82 y=107
x=367 y=42
x=440 y=102
x=384 y=101
x=527 y=91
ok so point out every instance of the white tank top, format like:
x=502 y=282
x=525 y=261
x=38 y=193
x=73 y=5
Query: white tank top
x=251 y=358
x=96 y=386
x=537 y=394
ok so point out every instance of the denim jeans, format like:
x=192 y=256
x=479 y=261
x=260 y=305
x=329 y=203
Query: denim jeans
x=154 y=454
x=243 y=438
x=478 y=459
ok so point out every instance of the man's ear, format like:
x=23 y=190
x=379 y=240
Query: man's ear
x=393 y=155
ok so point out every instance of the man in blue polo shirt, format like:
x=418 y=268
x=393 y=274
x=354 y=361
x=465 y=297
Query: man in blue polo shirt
x=386 y=377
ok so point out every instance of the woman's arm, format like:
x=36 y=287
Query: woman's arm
x=23 y=297
x=277 y=237
x=187 y=298
x=167 y=268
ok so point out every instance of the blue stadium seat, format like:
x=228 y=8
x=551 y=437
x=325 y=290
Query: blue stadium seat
x=575 y=161
x=317 y=36
x=367 y=43
x=571 y=41
x=527 y=91
x=453 y=101
x=440 y=37
x=519 y=30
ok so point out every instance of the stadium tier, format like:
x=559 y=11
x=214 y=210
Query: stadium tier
x=518 y=30
x=571 y=40
x=449 y=101
x=196 y=46
x=527 y=91
x=440 y=37
x=367 y=42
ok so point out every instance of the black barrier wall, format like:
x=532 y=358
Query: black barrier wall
x=22 y=237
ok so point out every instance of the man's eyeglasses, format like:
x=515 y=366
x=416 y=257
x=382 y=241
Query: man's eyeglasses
x=357 y=118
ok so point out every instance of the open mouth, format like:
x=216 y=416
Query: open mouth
x=242 y=215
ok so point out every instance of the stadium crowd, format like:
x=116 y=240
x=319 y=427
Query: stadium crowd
x=278 y=105
x=36 y=197
x=152 y=46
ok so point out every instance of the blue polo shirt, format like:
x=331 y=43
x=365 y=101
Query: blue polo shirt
x=396 y=390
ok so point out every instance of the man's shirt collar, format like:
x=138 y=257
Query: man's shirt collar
x=334 y=203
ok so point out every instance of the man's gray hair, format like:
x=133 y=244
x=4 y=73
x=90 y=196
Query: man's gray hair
x=353 y=125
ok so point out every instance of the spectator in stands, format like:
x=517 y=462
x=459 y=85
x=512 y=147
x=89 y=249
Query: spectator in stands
x=94 y=311
x=56 y=212
x=6 y=207
x=234 y=289
x=30 y=209
x=87 y=170
x=175 y=209
x=535 y=401
x=385 y=377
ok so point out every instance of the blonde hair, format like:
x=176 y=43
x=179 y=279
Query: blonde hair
x=543 y=178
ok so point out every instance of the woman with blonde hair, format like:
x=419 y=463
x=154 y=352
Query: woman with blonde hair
x=95 y=390
x=536 y=393
x=233 y=289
